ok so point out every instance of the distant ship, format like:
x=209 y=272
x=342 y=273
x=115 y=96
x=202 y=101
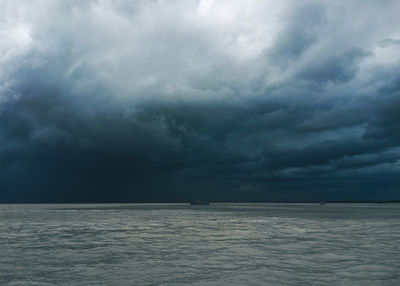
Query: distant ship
x=322 y=203
x=199 y=203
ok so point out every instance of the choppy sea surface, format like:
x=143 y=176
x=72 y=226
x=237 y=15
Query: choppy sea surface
x=220 y=244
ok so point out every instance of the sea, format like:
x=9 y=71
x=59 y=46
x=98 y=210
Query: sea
x=219 y=244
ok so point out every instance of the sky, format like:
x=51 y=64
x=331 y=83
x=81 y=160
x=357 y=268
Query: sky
x=171 y=101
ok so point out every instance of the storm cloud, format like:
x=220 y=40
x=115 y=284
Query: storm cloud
x=163 y=101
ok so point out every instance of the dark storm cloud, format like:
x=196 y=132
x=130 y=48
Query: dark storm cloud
x=231 y=101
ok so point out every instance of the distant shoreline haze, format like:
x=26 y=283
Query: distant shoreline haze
x=216 y=202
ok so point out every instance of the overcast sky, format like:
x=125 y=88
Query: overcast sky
x=151 y=101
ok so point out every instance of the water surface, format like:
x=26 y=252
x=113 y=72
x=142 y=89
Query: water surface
x=220 y=244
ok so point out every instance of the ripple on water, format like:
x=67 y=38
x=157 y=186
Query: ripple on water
x=221 y=244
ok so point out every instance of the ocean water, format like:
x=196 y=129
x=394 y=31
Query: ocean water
x=220 y=244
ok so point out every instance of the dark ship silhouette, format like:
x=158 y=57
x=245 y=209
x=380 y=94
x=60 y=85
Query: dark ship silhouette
x=200 y=203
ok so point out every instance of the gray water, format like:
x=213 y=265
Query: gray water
x=220 y=244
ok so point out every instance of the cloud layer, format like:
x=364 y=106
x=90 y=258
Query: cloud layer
x=179 y=100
